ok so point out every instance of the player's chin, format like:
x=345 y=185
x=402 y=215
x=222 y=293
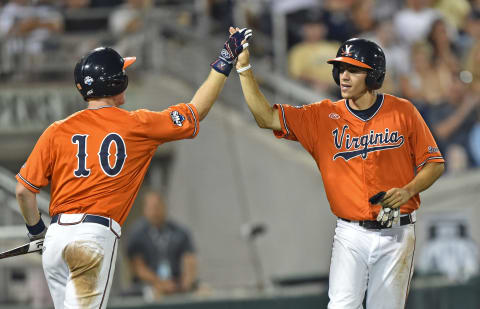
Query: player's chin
x=346 y=94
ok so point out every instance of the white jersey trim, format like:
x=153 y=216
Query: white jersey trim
x=195 y=118
x=100 y=107
x=284 y=121
x=351 y=111
x=28 y=183
x=428 y=159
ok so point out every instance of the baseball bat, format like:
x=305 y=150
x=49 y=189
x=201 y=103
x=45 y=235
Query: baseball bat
x=33 y=246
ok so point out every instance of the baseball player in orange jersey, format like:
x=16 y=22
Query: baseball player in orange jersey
x=95 y=161
x=366 y=143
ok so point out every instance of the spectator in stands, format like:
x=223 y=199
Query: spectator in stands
x=454 y=118
x=80 y=20
x=472 y=67
x=160 y=251
x=306 y=60
x=414 y=21
x=26 y=30
x=362 y=16
x=127 y=23
x=444 y=50
x=454 y=11
x=450 y=251
x=423 y=85
x=396 y=56
x=337 y=17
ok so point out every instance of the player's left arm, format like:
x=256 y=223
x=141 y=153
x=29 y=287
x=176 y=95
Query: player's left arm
x=396 y=197
x=208 y=92
x=27 y=200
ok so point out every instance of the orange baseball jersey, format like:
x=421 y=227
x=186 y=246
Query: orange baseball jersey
x=358 y=158
x=96 y=159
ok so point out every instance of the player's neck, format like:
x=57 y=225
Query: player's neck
x=93 y=104
x=364 y=101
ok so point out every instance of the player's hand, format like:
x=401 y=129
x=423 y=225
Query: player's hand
x=236 y=43
x=243 y=59
x=390 y=212
x=395 y=197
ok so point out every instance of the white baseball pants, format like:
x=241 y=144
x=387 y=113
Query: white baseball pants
x=377 y=261
x=79 y=261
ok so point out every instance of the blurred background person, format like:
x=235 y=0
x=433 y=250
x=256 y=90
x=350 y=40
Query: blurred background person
x=413 y=22
x=28 y=30
x=397 y=58
x=306 y=60
x=127 y=24
x=161 y=252
x=449 y=251
x=453 y=119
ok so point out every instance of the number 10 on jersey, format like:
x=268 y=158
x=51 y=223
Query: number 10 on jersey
x=103 y=155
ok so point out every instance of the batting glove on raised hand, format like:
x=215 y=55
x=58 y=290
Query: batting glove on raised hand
x=230 y=51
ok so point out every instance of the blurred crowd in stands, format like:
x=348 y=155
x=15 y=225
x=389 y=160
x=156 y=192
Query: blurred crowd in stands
x=433 y=58
x=432 y=46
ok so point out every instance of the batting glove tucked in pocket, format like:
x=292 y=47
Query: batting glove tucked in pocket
x=230 y=51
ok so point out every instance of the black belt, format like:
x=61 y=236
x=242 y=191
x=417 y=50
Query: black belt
x=87 y=218
x=375 y=225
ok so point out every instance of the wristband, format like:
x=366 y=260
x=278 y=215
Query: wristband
x=37 y=228
x=244 y=68
x=221 y=66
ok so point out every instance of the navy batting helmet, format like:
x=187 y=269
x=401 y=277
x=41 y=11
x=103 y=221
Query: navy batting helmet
x=101 y=73
x=365 y=54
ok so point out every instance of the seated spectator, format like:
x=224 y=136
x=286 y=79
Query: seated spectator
x=454 y=12
x=78 y=17
x=442 y=41
x=472 y=67
x=450 y=251
x=337 y=17
x=160 y=251
x=26 y=30
x=126 y=24
x=452 y=120
x=469 y=34
x=423 y=84
x=396 y=56
x=306 y=60
x=362 y=16
x=413 y=22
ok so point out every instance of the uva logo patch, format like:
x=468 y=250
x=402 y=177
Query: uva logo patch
x=88 y=80
x=346 y=51
x=177 y=118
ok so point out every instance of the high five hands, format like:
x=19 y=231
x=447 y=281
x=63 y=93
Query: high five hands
x=233 y=46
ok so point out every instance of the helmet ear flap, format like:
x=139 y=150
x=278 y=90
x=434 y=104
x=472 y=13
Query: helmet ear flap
x=336 y=74
x=374 y=79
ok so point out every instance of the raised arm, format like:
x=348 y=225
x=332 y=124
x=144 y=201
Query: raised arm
x=265 y=115
x=208 y=93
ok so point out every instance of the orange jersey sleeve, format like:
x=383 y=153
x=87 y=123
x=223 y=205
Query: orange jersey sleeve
x=178 y=122
x=96 y=159
x=358 y=158
x=37 y=171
